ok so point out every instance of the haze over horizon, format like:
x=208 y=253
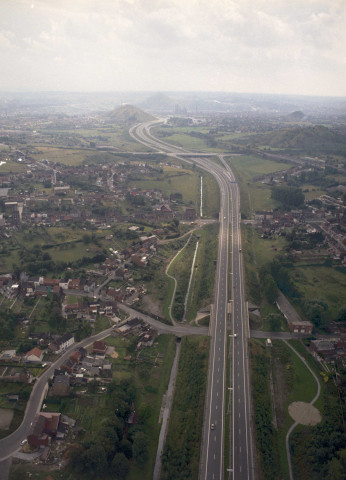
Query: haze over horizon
x=243 y=46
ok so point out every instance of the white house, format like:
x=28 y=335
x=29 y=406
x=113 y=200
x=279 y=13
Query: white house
x=62 y=343
x=34 y=355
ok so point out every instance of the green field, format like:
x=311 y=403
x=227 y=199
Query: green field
x=173 y=180
x=253 y=194
x=180 y=459
x=211 y=197
x=11 y=166
x=258 y=252
x=326 y=284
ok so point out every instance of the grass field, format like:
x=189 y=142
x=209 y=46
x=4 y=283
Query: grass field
x=173 y=180
x=322 y=283
x=211 y=197
x=202 y=285
x=181 y=137
x=257 y=253
x=253 y=194
x=66 y=156
x=12 y=166
x=180 y=458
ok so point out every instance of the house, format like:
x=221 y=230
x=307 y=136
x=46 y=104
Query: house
x=63 y=283
x=34 y=355
x=43 y=428
x=68 y=366
x=75 y=308
x=61 y=343
x=61 y=386
x=77 y=355
x=42 y=291
x=323 y=347
x=74 y=284
x=99 y=348
x=294 y=321
x=9 y=356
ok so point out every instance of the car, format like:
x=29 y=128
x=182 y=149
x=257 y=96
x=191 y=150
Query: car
x=239 y=250
x=23 y=442
x=235 y=335
x=212 y=426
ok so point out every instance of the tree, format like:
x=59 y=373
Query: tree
x=126 y=448
x=342 y=315
x=140 y=448
x=95 y=461
x=288 y=196
x=335 y=470
x=120 y=466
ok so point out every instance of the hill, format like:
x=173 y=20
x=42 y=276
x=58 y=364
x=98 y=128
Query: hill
x=303 y=137
x=310 y=140
x=128 y=114
x=295 y=116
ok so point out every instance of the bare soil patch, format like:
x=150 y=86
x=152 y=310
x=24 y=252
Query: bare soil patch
x=151 y=306
x=6 y=416
x=304 y=413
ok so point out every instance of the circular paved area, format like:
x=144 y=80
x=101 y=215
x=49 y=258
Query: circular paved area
x=304 y=413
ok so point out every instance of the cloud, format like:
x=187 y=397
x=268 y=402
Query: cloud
x=257 y=45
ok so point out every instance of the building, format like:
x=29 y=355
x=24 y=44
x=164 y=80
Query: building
x=61 y=386
x=34 y=355
x=99 y=348
x=62 y=343
x=294 y=321
x=43 y=428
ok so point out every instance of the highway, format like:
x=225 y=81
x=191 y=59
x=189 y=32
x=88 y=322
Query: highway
x=228 y=329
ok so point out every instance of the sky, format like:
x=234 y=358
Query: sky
x=255 y=46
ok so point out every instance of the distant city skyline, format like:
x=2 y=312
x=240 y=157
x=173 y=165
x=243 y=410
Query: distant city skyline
x=261 y=46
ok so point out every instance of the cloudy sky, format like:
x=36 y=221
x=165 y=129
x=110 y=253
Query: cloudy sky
x=268 y=46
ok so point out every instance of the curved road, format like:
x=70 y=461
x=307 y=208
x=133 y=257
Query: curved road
x=10 y=444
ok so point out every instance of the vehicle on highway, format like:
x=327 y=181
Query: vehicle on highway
x=239 y=249
x=212 y=426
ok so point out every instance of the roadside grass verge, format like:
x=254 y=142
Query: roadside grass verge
x=211 y=197
x=202 y=285
x=180 y=458
x=180 y=270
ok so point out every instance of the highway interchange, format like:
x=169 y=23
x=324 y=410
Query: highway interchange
x=229 y=329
